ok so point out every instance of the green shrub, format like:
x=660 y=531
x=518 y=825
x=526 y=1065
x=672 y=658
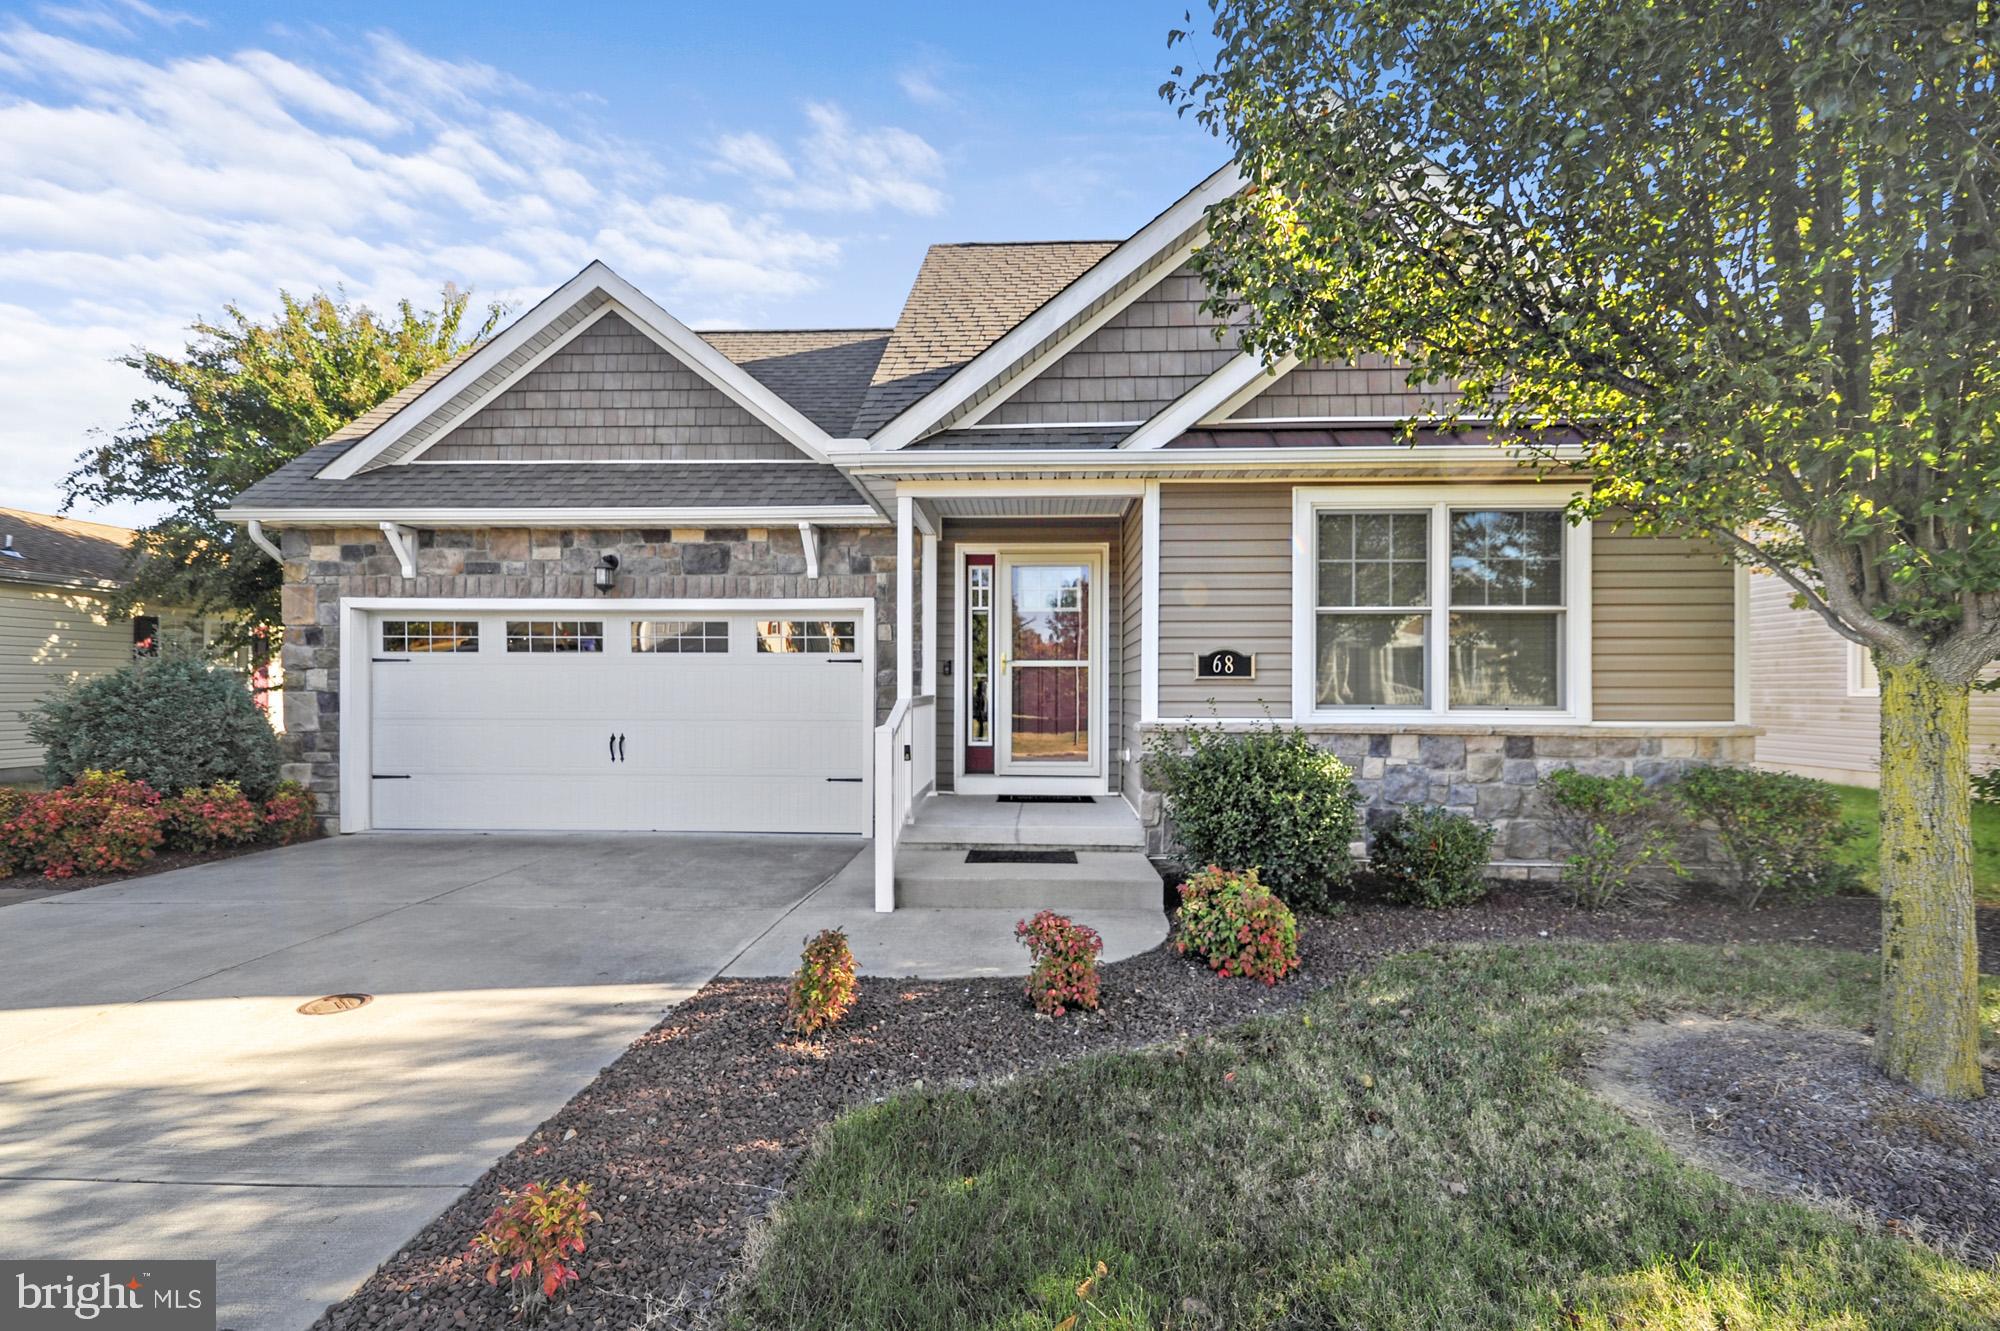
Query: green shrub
x=1427 y=856
x=1235 y=924
x=1268 y=799
x=102 y=823
x=823 y=987
x=1618 y=836
x=1781 y=832
x=288 y=815
x=1064 y=956
x=220 y=815
x=12 y=800
x=174 y=723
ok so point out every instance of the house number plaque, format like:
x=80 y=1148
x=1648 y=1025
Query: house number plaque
x=1225 y=663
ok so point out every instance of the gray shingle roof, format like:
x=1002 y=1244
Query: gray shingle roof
x=553 y=485
x=964 y=299
x=824 y=372
x=60 y=549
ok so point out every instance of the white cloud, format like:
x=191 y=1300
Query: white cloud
x=839 y=168
x=920 y=83
x=140 y=191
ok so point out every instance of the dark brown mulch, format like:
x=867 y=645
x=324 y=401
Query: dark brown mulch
x=1809 y=1112
x=689 y=1136
x=29 y=886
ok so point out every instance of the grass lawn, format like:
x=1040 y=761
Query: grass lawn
x=1862 y=808
x=1410 y=1151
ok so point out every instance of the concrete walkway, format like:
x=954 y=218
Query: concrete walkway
x=161 y=1097
x=928 y=943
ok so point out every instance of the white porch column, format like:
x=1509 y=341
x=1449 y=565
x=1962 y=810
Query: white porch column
x=906 y=522
x=1149 y=603
x=930 y=544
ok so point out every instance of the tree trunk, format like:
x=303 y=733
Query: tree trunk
x=1928 y=1034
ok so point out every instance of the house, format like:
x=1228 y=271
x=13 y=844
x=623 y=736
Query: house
x=57 y=576
x=607 y=572
x=1816 y=699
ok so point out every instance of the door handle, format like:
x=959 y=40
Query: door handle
x=621 y=747
x=611 y=747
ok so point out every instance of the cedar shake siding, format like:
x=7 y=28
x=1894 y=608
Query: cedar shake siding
x=1371 y=388
x=612 y=394
x=1802 y=697
x=1142 y=359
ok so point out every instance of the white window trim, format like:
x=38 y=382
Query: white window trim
x=1438 y=500
x=1857 y=672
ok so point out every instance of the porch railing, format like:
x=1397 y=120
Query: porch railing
x=905 y=772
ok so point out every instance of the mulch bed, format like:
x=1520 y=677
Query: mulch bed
x=689 y=1136
x=1806 y=1111
x=32 y=885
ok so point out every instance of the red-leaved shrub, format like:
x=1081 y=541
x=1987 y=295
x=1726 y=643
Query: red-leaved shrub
x=288 y=814
x=1065 y=963
x=103 y=823
x=823 y=986
x=531 y=1236
x=1237 y=926
x=211 y=817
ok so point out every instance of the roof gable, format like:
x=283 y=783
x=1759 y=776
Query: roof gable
x=1371 y=387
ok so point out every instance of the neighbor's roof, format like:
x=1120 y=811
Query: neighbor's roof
x=297 y=485
x=59 y=549
x=965 y=298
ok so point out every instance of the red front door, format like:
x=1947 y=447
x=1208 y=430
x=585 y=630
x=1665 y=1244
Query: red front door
x=978 y=666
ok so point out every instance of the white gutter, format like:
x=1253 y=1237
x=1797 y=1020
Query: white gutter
x=1158 y=460
x=843 y=515
x=263 y=542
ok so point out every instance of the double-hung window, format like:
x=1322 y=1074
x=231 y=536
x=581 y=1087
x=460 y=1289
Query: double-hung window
x=1426 y=605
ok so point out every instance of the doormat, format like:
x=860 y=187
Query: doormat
x=1047 y=799
x=1020 y=857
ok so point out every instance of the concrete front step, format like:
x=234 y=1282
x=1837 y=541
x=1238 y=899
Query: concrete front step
x=1099 y=880
x=968 y=822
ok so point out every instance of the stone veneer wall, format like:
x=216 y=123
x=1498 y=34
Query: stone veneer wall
x=325 y=565
x=1493 y=775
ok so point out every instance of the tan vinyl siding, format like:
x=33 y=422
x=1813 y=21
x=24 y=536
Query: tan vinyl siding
x=612 y=394
x=1799 y=695
x=1663 y=627
x=1027 y=532
x=1225 y=581
x=1372 y=386
x=1144 y=357
x=48 y=637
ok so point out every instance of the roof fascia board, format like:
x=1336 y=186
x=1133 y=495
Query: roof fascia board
x=673 y=335
x=846 y=515
x=1245 y=374
x=1033 y=369
x=1101 y=280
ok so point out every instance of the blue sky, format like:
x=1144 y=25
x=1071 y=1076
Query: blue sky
x=751 y=165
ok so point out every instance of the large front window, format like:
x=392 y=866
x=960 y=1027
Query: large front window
x=1438 y=606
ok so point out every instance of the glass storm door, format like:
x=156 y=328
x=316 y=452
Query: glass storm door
x=1047 y=691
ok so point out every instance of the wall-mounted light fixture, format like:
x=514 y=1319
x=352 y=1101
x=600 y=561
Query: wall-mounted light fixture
x=606 y=573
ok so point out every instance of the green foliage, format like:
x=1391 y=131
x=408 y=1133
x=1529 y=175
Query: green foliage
x=173 y=722
x=289 y=814
x=241 y=400
x=1063 y=953
x=210 y=818
x=1618 y=835
x=1782 y=833
x=823 y=987
x=533 y=1237
x=102 y=823
x=1235 y=924
x=1268 y=799
x=1427 y=856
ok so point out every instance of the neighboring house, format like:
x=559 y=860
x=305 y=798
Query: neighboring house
x=1816 y=698
x=605 y=572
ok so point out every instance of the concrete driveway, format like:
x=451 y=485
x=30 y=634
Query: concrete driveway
x=161 y=1097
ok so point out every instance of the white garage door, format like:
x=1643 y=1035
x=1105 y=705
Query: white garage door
x=659 y=722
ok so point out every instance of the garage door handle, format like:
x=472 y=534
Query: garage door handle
x=611 y=747
x=621 y=748
x=846 y=779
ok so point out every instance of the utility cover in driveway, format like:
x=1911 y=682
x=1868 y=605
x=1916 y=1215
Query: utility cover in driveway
x=595 y=721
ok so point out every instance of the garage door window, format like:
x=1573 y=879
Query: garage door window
x=430 y=635
x=680 y=635
x=555 y=635
x=832 y=637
